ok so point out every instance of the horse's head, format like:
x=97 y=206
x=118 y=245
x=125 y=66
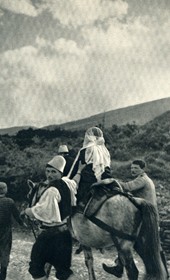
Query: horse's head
x=32 y=188
x=31 y=184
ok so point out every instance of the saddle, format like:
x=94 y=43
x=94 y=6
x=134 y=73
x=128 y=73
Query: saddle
x=99 y=193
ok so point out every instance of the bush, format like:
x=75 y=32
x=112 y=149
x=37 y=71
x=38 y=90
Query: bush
x=167 y=148
x=122 y=155
x=158 y=172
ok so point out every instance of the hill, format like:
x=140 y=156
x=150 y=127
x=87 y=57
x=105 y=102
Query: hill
x=13 y=130
x=140 y=114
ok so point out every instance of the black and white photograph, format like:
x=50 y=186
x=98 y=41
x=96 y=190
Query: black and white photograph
x=84 y=139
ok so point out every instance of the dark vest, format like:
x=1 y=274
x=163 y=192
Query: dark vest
x=65 y=203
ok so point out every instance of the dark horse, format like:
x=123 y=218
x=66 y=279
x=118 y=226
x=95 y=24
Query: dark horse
x=119 y=222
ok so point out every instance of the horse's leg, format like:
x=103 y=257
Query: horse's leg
x=126 y=256
x=89 y=262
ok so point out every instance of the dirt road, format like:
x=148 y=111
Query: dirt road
x=19 y=262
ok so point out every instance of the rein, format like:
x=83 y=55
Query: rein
x=112 y=230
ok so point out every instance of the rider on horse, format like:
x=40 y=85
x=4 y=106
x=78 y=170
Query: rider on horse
x=96 y=157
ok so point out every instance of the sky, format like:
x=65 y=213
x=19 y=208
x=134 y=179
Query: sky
x=63 y=60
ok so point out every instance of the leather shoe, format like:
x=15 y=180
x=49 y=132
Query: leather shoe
x=115 y=270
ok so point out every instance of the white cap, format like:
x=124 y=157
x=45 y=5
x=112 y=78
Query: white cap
x=58 y=162
x=63 y=149
x=3 y=188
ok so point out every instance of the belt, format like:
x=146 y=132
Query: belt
x=57 y=227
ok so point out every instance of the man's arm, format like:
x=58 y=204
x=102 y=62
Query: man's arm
x=47 y=209
x=16 y=215
x=77 y=176
x=133 y=185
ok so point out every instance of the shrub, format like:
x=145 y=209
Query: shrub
x=167 y=148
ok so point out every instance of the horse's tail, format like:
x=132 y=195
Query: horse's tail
x=148 y=243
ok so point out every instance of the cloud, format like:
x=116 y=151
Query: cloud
x=76 y=13
x=60 y=46
x=39 y=89
x=102 y=63
x=19 y=7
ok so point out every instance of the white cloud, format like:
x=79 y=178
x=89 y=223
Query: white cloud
x=75 y=13
x=60 y=46
x=64 y=46
x=39 y=89
x=115 y=65
x=19 y=7
x=1 y=13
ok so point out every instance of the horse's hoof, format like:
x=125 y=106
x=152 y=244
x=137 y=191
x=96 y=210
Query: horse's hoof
x=115 y=270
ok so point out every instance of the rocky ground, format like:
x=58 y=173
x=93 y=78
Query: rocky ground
x=22 y=243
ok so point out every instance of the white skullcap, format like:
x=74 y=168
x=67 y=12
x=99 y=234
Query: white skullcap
x=58 y=162
x=3 y=188
x=63 y=149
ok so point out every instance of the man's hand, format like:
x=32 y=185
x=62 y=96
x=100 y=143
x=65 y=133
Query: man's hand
x=28 y=212
x=81 y=166
x=22 y=214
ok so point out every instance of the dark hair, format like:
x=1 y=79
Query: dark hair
x=140 y=162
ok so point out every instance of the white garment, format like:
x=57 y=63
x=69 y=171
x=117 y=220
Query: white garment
x=96 y=152
x=47 y=209
x=73 y=189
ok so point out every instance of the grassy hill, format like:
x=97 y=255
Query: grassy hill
x=140 y=114
x=13 y=130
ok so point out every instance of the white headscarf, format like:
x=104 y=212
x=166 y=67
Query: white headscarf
x=96 y=152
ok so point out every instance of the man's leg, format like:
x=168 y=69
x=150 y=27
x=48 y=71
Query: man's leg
x=38 y=259
x=116 y=270
x=62 y=255
x=3 y=273
x=4 y=257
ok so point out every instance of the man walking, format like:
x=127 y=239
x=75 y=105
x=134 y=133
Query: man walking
x=7 y=211
x=51 y=206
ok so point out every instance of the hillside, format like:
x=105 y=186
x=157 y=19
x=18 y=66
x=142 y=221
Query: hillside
x=13 y=130
x=140 y=114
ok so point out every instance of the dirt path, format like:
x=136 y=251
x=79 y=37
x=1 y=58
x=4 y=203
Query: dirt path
x=19 y=262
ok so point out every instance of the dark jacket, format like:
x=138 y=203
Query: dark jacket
x=87 y=177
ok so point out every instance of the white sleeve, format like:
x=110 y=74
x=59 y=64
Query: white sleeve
x=72 y=185
x=47 y=209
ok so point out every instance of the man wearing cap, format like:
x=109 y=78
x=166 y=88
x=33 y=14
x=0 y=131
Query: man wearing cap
x=51 y=207
x=7 y=211
x=63 y=151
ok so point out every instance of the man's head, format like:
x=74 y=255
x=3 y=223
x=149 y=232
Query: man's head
x=137 y=167
x=3 y=188
x=63 y=150
x=54 y=168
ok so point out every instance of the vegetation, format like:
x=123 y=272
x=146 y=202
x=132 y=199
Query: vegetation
x=25 y=154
